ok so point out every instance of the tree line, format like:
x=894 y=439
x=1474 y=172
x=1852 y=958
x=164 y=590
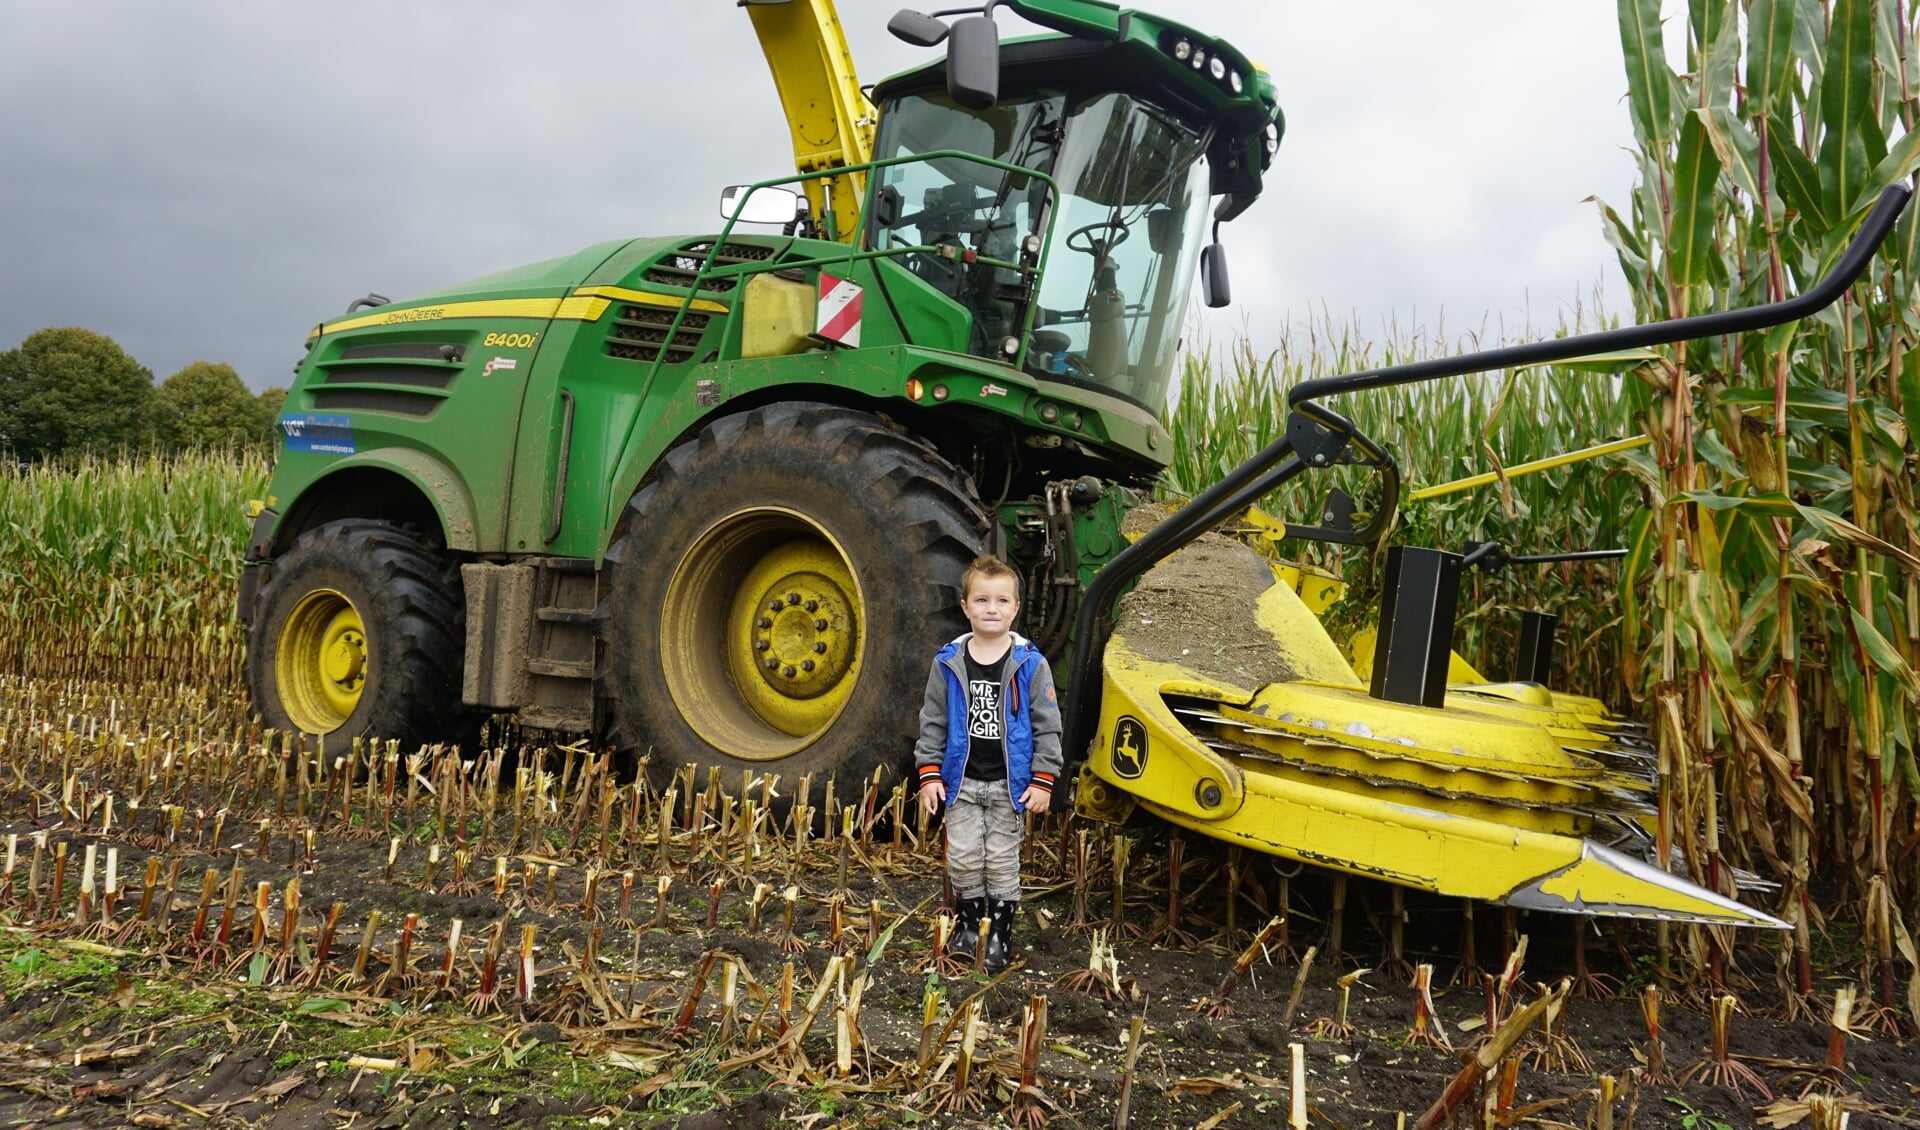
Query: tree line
x=67 y=390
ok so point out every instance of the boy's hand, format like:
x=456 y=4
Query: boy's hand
x=1035 y=800
x=933 y=794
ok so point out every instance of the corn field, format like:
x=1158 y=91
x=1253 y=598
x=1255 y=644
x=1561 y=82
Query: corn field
x=123 y=569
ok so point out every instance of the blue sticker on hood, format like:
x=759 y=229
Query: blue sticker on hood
x=328 y=435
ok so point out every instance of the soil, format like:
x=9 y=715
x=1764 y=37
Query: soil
x=140 y=1023
x=1196 y=609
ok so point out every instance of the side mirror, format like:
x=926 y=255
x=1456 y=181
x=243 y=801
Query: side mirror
x=917 y=28
x=763 y=206
x=1213 y=276
x=973 y=62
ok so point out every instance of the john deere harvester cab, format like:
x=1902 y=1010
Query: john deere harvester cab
x=1122 y=221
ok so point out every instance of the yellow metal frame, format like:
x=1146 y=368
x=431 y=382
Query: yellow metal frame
x=827 y=113
x=1596 y=452
x=1424 y=798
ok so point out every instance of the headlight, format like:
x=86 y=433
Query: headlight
x=1238 y=84
x=1199 y=60
x=1182 y=50
x=1218 y=68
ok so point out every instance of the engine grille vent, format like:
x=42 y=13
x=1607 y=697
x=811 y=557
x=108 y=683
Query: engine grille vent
x=377 y=400
x=413 y=376
x=639 y=332
x=412 y=350
x=680 y=267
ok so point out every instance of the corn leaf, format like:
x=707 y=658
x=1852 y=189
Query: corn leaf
x=1769 y=53
x=1720 y=61
x=1846 y=105
x=1898 y=165
x=1824 y=406
x=1883 y=654
x=1839 y=529
x=1649 y=79
x=1910 y=390
x=1796 y=178
x=1736 y=146
x=1690 y=245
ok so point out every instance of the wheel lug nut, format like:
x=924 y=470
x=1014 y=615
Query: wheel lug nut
x=774 y=606
x=806 y=665
x=819 y=625
x=819 y=649
x=787 y=670
x=793 y=598
x=772 y=663
x=761 y=645
x=763 y=622
x=811 y=606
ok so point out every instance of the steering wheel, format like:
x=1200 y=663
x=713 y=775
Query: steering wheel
x=1092 y=245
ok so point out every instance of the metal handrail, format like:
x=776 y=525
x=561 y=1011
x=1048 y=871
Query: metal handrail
x=707 y=269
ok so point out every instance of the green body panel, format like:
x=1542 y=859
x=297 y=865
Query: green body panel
x=488 y=452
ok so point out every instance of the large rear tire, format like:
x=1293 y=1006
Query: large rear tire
x=360 y=632
x=776 y=591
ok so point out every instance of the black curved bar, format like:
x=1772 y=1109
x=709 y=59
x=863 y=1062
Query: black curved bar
x=1238 y=488
x=1570 y=555
x=1822 y=294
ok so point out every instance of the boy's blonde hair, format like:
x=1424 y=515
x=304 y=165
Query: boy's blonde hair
x=985 y=567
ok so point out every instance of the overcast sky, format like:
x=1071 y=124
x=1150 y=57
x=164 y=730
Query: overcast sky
x=207 y=180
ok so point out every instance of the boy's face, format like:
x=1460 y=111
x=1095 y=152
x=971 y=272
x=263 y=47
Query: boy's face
x=991 y=605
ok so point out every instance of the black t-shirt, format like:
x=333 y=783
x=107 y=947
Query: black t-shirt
x=986 y=745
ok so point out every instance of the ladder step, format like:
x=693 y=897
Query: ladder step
x=560 y=669
x=550 y=718
x=567 y=564
x=565 y=615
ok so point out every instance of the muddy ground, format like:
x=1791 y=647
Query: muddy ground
x=152 y=1022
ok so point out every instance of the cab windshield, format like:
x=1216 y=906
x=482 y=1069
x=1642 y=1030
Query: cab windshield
x=1132 y=212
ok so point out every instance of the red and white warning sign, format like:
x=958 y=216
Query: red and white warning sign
x=838 y=316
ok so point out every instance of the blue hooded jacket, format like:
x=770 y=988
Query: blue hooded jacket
x=1031 y=722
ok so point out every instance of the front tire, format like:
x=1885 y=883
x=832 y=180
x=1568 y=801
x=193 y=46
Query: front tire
x=776 y=591
x=360 y=632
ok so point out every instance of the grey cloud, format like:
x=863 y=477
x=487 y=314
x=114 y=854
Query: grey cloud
x=207 y=180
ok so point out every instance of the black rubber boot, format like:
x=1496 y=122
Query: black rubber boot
x=966 y=928
x=1000 y=933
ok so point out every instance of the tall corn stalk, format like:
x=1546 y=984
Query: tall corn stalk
x=124 y=569
x=1778 y=552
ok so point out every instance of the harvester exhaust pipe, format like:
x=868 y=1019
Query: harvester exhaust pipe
x=1317 y=436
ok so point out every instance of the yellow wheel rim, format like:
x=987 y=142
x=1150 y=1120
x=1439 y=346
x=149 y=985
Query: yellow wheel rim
x=321 y=661
x=761 y=633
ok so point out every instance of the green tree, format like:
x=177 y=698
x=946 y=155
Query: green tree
x=271 y=401
x=70 y=389
x=206 y=404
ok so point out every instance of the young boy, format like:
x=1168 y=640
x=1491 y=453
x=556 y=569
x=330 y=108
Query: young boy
x=989 y=750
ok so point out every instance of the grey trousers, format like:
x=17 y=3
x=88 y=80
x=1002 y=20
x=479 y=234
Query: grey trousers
x=983 y=841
